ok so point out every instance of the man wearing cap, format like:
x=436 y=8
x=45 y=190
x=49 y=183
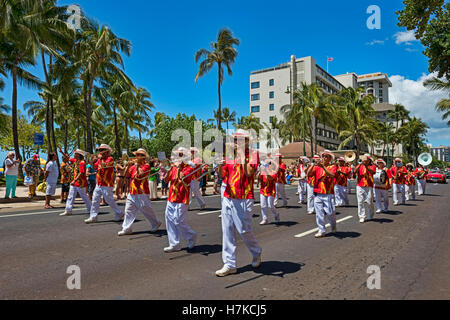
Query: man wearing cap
x=179 y=178
x=33 y=169
x=238 y=203
x=324 y=173
x=398 y=173
x=301 y=174
x=342 y=175
x=421 y=175
x=410 y=183
x=104 y=167
x=281 y=181
x=79 y=182
x=196 y=164
x=139 y=197
x=364 y=172
x=381 y=191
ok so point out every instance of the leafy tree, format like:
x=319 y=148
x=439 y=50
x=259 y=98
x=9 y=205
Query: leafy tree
x=444 y=104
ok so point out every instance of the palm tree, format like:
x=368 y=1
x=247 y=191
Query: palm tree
x=228 y=116
x=411 y=134
x=249 y=123
x=4 y=109
x=444 y=104
x=223 y=54
x=275 y=125
x=140 y=109
x=215 y=119
x=400 y=114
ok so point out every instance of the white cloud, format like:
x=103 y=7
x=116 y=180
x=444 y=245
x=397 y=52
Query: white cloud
x=371 y=43
x=405 y=37
x=420 y=101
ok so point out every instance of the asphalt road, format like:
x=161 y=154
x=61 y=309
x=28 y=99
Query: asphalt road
x=410 y=244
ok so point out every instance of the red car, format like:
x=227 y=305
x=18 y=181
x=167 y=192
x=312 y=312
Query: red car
x=436 y=176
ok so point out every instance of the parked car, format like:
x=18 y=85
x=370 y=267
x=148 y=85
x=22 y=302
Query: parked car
x=436 y=176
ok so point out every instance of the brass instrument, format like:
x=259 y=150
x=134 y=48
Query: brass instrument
x=425 y=159
x=350 y=156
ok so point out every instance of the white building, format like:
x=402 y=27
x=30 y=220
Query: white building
x=442 y=153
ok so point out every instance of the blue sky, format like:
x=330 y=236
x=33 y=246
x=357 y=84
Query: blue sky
x=166 y=34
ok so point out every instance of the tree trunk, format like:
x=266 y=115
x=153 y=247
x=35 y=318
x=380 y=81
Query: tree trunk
x=14 y=120
x=219 y=111
x=358 y=151
x=140 y=138
x=88 y=108
x=66 y=134
x=78 y=136
x=127 y=142
x=315 y=135
x=116 y=132
x=47 y=126
x=311 y=145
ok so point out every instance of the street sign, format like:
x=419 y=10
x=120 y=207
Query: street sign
x=161 y=156
x=39 y=139
x=124 y=151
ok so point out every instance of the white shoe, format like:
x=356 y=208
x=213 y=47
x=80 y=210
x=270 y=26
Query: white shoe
x=220 y=216
x=225 y=271
x=297 y=193
x=155 y=228
x=378 y=211
x=310 y=212
x=395 y=203
x=320 y=235
x=120 y=218
x=362 y=220
x=299 y=202
x=256 y=262
x=264 y=222
x=171 y=249
x=123 y=233
x=192 y=242
x=90 y=220
x=66 y=213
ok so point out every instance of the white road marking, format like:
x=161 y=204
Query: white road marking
x=217 y=211
x=317 y=229
x=36 y=213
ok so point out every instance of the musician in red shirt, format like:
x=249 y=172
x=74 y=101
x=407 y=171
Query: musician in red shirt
x=105 y=184
x=364 y=192
x=381 y=190
x=138 y=199
x=410 y=183
x=179 y=177
x=267 y=177
x=324 y=173
x=238 y=202
x=398 y=173
x=196 y=164
x=421 y=175
x=280 y=183
x=79 y=182
x=310 y=185
x=301 y=175
x=342 y=175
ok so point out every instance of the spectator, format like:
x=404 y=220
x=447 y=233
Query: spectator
x=66 y=173
x=11 y=172
x=33 y=169
x=92 y=179
x=153 y=180
x=162 y=174
x=51 y=178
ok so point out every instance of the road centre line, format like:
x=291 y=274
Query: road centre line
x=317 y=229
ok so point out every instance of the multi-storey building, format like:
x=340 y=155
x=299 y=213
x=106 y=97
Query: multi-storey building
x=442 y=153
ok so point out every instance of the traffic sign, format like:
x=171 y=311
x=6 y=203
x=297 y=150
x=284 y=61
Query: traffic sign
x=39 y=139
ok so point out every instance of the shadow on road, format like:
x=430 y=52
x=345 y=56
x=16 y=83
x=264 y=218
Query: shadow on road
x=206 y=249
x=343 y=234
x=381 y=220
x=269 y=268
x=285 y=223
x=393 y=213
x=159 y=233
x=431 y=195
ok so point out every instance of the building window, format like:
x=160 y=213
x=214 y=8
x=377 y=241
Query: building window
x=255 y=109
x=271 y=94
x=257 y=145
x=271 y=82
x=255 y=97
x=255 y=85
x=271 y=107
x=271 y=119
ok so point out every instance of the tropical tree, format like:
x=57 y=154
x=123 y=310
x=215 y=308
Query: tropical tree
x=400 y=114
x=444 y=104
x=412 y=134
x=228 y=116
x=249 y=123
x=4 y=110
x=222 y=53
x=141 y=108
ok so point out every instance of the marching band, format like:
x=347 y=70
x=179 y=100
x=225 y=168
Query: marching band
x=323 y=185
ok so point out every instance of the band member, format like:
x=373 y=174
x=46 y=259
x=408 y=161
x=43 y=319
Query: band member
x=301 y=174
x=364 y=193
x=310 y=186
x=238 y=204
x=381 y=191
x=281 y=181
x=79 y=182
x=267 y=177
x=65 y=169
x=178 y=202
x=342 y=175
x=196 y=163
x=410 y=183
x=398 y=173
x=421 y=176
x=324 y=173
x=105 y=184
x=139 y=197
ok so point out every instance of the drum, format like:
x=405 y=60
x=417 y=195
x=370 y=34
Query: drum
x=380 y=177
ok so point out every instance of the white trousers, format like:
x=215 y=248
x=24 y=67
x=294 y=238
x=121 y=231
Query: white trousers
x=310 y=189
x=341 y=195
x=266 y=204
x=421 y=186
x=381 y=199
x=73 y=191
x=195 y=193
x=237 y=216
x=323 y=205
x=135 y=203
x=281 y=191
x=176 y=224
x=302 y=190
x=364 y=196
x=410 y=192
x=396 y=188
x=108 y=194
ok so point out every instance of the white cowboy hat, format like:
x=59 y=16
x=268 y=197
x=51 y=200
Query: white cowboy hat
x=328 y=152
x=381 y=161
x=141 y=151
x=80 y=152
x=341 y=159
x=104 y=146
x=410 y=165
x=398 y=160
x=367 y=157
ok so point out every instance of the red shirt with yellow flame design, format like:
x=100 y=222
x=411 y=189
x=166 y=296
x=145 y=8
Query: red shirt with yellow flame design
x=198 y=164
x=342 y=176
x=139 y=183
x=282 y=174
x=410 y=179
x=268 y=188
x=364 y=177
x=239 y=186
x=178 y=192
x=323 y=184
x=402 y=175
x=105 y=172
x=80 y=167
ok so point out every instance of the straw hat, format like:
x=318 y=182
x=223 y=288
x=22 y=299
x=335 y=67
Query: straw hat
x=398 y=160
x=80 y=152
x=328 y=152
x=105 y=146
x=410 y=165
x=366 y=157
x=341 y=159
x=381 y=161
x=141 y=151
